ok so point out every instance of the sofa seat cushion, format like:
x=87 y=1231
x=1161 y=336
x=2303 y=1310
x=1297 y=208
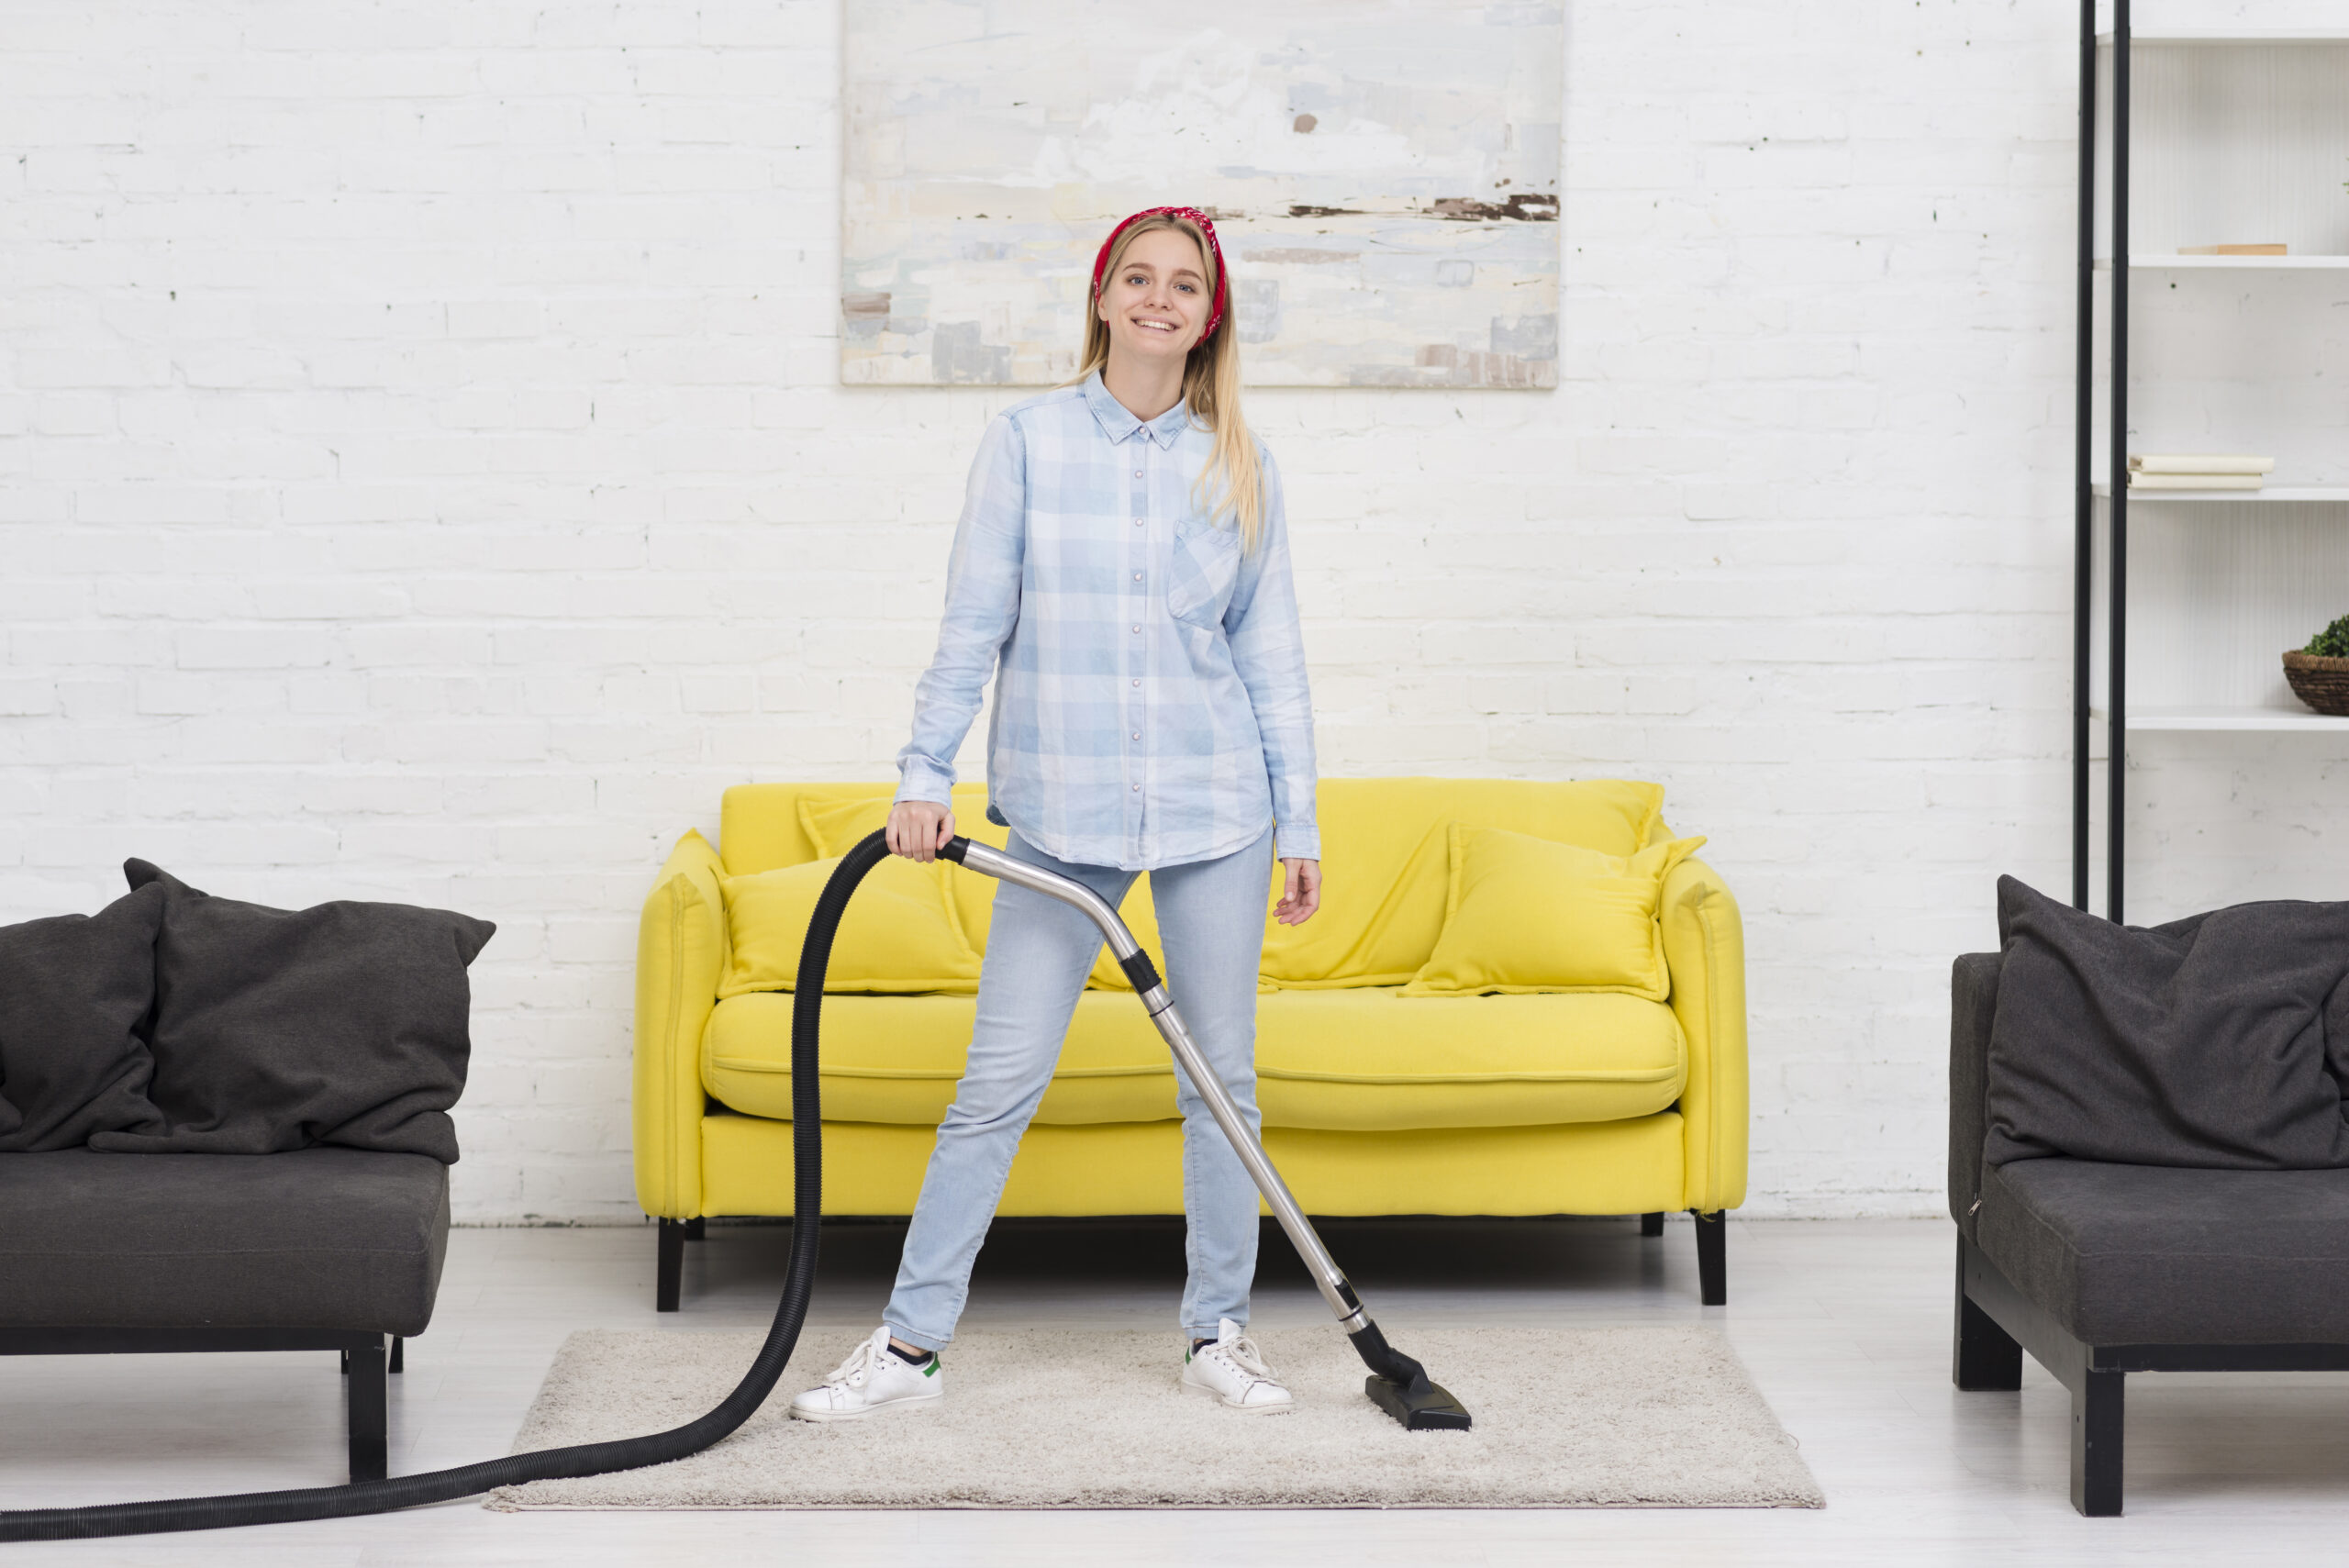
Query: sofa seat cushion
x=2162 y=1254
x=1355 y=1061
x=319 y=1238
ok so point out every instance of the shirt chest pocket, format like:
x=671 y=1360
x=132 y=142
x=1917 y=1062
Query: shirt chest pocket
x=1202 y=568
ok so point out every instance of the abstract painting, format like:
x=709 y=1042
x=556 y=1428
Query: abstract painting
x=1384 y=179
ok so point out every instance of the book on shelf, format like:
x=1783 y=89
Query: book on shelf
x=2194 y=481
x=2199 y=462
x=2233 y=250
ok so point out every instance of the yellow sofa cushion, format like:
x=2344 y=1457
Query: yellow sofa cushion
x=1526 y=915
x=1361 y=1060
x=900 y=933
x=1385 y=868
x=832 y=828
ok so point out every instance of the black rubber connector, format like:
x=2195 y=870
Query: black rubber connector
x=1141 y=972
x=954 y=848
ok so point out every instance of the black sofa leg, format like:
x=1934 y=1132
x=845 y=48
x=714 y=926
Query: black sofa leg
x=665 y=1287
x=696 y=1230
x=2097 y=1407
x=1651 y=1224
x=1712 y=1259
x=370 y=1413
x=1983 y=1358
x=399 y=1354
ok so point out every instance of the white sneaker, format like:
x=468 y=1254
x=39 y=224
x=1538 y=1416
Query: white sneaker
x=873 y=1378
x=1233 y=1370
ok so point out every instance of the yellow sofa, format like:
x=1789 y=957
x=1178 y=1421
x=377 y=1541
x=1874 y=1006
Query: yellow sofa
x=1374 y=1103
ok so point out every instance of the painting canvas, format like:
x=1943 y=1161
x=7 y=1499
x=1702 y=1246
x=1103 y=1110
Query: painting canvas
x=1384 y=179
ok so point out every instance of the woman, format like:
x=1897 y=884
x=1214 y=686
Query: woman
x=1124 y=556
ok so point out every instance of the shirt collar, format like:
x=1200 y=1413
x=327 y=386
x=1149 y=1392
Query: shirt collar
x=1117 y=421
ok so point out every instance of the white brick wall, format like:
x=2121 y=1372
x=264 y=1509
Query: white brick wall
x=423 y=476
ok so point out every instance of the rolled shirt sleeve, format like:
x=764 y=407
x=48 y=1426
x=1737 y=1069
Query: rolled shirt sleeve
x=1268 y=654
x=981 y=607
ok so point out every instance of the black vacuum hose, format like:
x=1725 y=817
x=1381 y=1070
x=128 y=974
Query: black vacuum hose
x=585 y=1459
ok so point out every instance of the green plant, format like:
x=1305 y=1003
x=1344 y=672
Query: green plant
x=2333 y=642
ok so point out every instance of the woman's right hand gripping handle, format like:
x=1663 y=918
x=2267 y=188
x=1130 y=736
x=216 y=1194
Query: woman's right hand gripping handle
x=920 y=829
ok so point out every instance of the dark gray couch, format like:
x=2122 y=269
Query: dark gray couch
x=2102 y=1270
x=320 y=1248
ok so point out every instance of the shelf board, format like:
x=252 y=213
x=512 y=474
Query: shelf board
x=2234 y=36
x=2333 y=494
x=2156 y=262
x=2269 y=719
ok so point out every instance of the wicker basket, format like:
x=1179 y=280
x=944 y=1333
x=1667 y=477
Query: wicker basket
x=2322 y=684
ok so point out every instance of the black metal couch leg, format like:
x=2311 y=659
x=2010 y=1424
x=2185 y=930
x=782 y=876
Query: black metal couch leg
x=370 y=1414
x=666 y=1286
x=1712 y=1258
x=1651 y=1224
x=399 y=1354
x=2097 y=1409
x=1983 y=1358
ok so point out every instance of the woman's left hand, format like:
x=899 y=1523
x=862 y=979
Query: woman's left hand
x=1300 y=892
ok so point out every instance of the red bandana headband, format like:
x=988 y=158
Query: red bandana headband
x=1207 y=226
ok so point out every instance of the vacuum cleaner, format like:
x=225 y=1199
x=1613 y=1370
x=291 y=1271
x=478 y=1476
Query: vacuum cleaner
x=1396 y=1383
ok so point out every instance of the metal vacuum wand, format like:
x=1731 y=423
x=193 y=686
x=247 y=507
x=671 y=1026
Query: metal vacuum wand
x=1398 y=1384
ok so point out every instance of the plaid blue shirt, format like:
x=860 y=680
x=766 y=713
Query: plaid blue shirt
x=1151 y=708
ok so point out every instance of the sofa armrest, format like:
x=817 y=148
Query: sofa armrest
x=1704 y=949
x=1973 y=1001
x=680 y=954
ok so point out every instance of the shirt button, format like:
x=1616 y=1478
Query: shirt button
x=1137 y=786
x=1137 y=576
x=1136 y=682
x=1136 y=522
x=1136 y=631
x=1137 y=473
x=1137 y=734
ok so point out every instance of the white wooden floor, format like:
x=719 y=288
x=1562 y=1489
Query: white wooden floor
x=1845 y=1326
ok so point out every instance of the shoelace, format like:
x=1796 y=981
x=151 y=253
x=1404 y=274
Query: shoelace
x=851 y=1373
x=1243 y=1354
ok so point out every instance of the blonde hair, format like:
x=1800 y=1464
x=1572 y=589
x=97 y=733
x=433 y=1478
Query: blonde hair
x=1210 y=384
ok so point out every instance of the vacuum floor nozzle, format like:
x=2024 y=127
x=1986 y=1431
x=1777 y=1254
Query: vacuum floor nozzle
x=1420 y=1406
x=1401 y=1387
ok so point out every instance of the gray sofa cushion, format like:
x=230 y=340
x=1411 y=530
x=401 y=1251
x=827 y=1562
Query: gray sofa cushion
x=2149 y=1254
x=316 y=1239
x=276 y=1028
x=74 y=990
x=2218 y=1042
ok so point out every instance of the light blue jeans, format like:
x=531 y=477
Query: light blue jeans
x=1212 y=918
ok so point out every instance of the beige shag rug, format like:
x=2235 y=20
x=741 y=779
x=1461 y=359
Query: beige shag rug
x=1566 y=1418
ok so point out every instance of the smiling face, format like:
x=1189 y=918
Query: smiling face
x=1155 y=300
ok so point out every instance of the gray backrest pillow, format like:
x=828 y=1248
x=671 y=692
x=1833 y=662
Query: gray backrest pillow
x=74 y=990
x=2219 y=1041
x=347 y=1023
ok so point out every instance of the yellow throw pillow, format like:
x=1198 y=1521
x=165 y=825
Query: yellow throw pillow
x=1526 y=914
x=833 y=830
x=1384 y=843
x=900 y=933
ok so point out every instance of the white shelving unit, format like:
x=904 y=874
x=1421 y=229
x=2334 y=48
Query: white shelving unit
x=2224 y=134
x=2261 y=721
x=2320 y=494
x=2229 y=263
x=2152 y=38
x=2156 y=37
